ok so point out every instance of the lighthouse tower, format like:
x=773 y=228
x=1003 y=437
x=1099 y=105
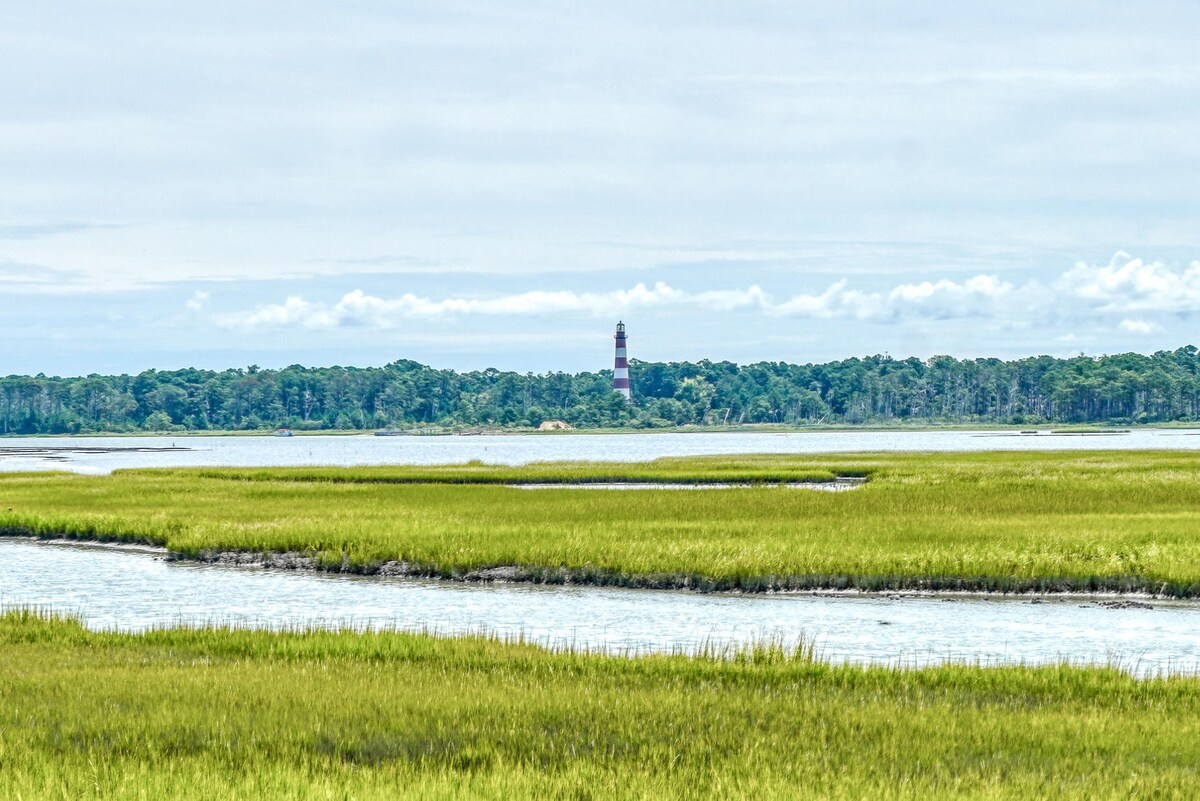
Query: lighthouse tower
x=621 y=365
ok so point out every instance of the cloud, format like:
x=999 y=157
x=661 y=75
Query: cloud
x=943 y=299
x=197 y=301
x=1139 y=327
x=48 y=229
x=940 y=300
x=358 y=309
x=18 y=273
x=364 y=141
x=294 y=311
x=1086 y=293
x=836 y=301
x=24 y=278
x=1129 y=284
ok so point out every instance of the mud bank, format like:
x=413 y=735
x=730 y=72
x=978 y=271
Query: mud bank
x=63 y=452
x=1092 y=586
x=128 y=547
x=948 y=586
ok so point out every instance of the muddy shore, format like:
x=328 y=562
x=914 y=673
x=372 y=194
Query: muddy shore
x=63 y=453
x=1125 y=587
x=948 y=586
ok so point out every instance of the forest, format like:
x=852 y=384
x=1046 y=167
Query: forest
x=1124 y=389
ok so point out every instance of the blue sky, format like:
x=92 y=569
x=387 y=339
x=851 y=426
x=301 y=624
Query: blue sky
x=478 y=184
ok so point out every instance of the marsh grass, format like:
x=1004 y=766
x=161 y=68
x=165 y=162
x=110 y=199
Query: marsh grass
x=222 y=713
x=1123 y=521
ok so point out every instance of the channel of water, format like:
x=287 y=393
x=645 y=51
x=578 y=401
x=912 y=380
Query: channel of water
x=132 y=590
x=104 y=454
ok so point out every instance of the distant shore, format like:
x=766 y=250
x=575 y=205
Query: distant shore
x=755 y=428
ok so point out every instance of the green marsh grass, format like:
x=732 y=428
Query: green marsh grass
x=219 y=713
x=987 y=521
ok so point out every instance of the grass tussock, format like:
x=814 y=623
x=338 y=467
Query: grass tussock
x=1124 y=521
x=219 y=713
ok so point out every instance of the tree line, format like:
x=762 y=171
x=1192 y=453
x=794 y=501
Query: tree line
x=1122 y=389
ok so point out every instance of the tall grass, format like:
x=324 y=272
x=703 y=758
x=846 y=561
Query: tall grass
x=226 y=713
x=998 y=521
x=690 y=470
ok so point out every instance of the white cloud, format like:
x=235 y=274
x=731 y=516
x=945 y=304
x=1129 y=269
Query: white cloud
x=1083 y=295
x=941 y=300
x=197 y=301
x=837 y=301
x=27 y=278
x=294 y=311
x=360 y=309
x=1129 y=284
x=1139 y=327
x=945 y=299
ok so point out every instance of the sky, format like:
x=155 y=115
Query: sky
x=475 y=185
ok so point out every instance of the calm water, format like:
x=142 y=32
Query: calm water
x=131 y=591
x=62 y=453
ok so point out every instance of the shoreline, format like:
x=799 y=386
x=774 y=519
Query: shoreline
x=946 y=588
x=1041 y=429
x=106 y=545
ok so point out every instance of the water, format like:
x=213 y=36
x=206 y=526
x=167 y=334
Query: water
x=70 y=453
x=820 y=486
x=135 y=590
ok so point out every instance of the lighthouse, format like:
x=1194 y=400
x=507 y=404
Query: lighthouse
x=621 y=365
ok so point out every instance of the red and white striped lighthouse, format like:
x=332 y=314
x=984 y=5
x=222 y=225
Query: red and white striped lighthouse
x=621 y=365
